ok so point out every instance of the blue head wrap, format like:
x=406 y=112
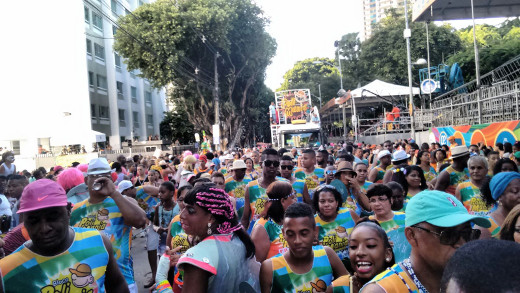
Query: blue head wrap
x=500 y=182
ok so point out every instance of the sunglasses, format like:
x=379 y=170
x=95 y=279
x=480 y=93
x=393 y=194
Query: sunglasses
x=452 y=236
x=330 y=172
x=268 y=163
x=325 y=186
x=287 y=167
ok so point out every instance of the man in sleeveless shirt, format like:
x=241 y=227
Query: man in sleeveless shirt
x=58 y=258
x=304 y=267
x=108 y=211
x=456 y=173
x=437 y=224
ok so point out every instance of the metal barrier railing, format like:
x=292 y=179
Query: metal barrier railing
x=377 y=126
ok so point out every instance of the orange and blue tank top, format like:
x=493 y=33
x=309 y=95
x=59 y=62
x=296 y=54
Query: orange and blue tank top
x=317 y=279
x=107 y=218
x=257 y=201
x=456 y=178
x=81 y=268
x=395 y=280
x=274 y=231
x=298 y=187
x=341 y=284
x=380 y=174
x=237 y=189
x=335 y=234
x=313 y=180
x=494 y=229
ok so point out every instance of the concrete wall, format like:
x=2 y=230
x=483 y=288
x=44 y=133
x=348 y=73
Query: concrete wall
x=420 y=137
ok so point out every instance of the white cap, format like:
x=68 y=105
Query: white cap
x=383 y=153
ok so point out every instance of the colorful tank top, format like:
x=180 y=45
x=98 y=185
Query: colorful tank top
x=199 y=170
x=179 y=237
x=430 y=174
x=237 y=189
x=317 y=279
x=274 y=231
x=257 y=201
x=81 y=268
x=106 y=217
x=494 y=229
x=380 y=174
x=473 y=201
x=394 y=229
x=341 y=284
x=365 y=186
x=253 y=175
x=395 y=280
x=335 y=234
x=145 y=201
x=223 y=171
x=456 y=178
x=312 y=180
x=298 y=187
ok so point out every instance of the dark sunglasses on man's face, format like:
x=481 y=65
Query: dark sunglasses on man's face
x=287 y=167
x=268 y=163
x=452 y=236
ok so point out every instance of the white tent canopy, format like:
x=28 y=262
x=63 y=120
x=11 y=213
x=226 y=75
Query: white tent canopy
x=384 y=89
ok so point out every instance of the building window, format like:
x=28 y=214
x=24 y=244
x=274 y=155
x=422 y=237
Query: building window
x=135 y=116
x=117 y=59
x=113 y=6
x=132 y=74
x=16 y=147
x=149 y=120
x=87 y=15
x=93 y=110
x=119 y=86
x=148 y=97
x=133 y=92
x=102 y=82
x=89 y=47
x=91 y=78
x=103 y=112
x=122 y=117
x=114 y=30
x=97 y=21
x=99 y=51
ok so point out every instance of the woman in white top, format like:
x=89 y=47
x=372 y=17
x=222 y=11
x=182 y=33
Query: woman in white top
x=7 y=168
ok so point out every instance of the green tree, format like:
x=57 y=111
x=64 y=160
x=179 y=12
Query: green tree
x=174 y=126
x=383 y=55
x=176 y=44
x=496 y=46
x=350 y=50
x=310 y=73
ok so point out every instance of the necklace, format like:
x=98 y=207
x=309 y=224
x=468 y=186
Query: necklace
x=406 y=263
x=167 y=218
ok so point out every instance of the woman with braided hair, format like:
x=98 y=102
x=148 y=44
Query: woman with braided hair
x=223 y=257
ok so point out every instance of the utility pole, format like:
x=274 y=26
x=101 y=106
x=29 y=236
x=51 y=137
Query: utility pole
x=215 y=95
x=407 y=34
x=341 y=87
x=319 y=91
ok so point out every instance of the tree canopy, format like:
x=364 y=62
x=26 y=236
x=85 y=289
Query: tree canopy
x=177 y=43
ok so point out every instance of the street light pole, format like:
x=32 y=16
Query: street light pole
x=407 y=34
x=319 y=91
x=344 y=104
x=215 y=94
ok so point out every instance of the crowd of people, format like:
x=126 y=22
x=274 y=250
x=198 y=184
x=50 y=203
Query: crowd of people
x=391 y=217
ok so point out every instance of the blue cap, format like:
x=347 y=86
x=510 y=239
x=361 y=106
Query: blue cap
x=440 y=209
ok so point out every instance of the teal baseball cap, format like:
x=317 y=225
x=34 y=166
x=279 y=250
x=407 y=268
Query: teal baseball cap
x=440 y=209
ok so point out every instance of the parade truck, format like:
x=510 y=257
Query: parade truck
x=294 y=121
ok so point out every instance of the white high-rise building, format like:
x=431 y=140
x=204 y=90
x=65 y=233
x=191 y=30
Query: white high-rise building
x=374 y=11
x=62 y=83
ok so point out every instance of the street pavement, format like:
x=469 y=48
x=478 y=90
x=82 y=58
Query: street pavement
x=142 y=272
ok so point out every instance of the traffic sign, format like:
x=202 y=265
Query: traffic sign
x=428 y=86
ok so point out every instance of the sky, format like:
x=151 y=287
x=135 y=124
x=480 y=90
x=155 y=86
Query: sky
x=308 y=28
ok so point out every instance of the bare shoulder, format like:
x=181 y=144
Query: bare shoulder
x=373 y=288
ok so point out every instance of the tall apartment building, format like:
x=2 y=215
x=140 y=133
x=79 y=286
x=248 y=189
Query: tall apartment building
x=374 y=11
x=122 y=105
x=62 y=83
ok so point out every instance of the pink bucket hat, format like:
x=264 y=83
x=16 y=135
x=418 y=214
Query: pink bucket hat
x=42 y=194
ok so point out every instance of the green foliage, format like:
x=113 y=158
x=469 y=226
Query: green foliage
x=311 y=72
x=177 y=46
x=383 y=56
x=496 y=46
x=174 y=126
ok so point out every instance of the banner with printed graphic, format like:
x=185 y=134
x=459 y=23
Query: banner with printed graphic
x=489 y=134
